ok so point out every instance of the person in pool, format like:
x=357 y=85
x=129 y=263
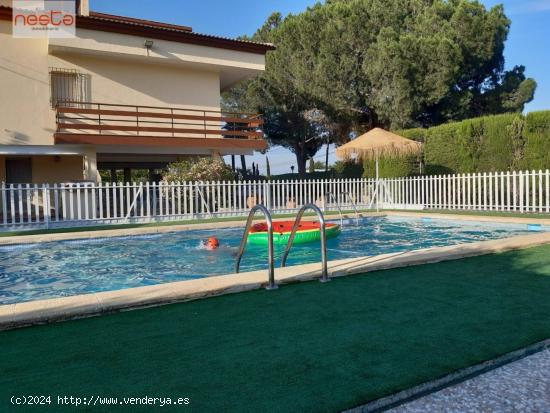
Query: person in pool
x=211 y=243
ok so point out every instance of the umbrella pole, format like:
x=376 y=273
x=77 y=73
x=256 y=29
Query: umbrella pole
x=377 y=187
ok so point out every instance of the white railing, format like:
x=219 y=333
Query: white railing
x=523 y=191
x=78 y=204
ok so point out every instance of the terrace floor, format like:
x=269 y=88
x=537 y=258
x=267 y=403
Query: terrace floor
x=522 y=386
x=306 y=347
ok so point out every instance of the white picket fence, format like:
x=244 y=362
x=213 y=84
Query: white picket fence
x=79 y=204
x=524 y=192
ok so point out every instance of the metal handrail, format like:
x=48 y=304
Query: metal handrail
x=103 y=118
x=320 y=216
x=62 y=102
x=271 y=267
x=330 y=194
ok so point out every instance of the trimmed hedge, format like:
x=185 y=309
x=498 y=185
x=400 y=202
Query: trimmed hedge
x=441 y=150
x=416 y=134
x=347 y=169
x=536 y=153
x=486 y=144
x=391 y=166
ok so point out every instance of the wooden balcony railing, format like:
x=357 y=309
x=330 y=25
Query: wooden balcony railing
x=124 y=122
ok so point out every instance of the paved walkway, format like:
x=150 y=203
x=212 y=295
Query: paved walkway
x=522 y=386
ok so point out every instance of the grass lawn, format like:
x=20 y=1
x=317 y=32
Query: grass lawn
x=306 y=347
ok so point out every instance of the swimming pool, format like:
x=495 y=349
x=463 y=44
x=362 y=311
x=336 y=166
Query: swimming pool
x=64 y=268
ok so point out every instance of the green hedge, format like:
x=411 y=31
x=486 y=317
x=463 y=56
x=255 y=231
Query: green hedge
x=416 y=134
x=391 y=166
x=485 y=144
x=536 y=153
x=347 y=169
x=441 y=149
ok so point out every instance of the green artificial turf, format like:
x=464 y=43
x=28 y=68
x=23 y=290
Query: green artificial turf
x=306 y=347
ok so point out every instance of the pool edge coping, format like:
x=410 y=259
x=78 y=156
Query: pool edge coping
x=85 y=305
x=474 y=218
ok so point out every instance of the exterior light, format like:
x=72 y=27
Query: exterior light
x=148 y=45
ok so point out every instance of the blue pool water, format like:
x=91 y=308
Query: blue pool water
x=57 y=269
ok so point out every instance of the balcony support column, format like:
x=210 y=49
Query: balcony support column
x=90 y=172
x=216 y=155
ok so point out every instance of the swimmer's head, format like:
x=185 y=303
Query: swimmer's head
x=212 y=243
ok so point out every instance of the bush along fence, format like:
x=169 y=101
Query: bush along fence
x=80 y=204
x=490 y=143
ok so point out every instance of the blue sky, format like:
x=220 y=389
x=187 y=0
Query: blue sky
x=528 y=42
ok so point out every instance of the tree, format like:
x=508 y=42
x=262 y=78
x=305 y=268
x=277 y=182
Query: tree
x=406 y=63
x=267 y=168
x=389 y=63
x=290 y=118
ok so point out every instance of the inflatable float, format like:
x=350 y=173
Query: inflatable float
x=307 y=232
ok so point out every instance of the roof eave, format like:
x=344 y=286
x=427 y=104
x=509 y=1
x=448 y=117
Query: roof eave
x=135 y=27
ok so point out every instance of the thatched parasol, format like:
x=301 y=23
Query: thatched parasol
x=378 y=142
x=375 y=143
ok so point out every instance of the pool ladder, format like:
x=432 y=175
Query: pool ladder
x=321 y=218
x=271 y=285
x=352 y=201
x=271 y=267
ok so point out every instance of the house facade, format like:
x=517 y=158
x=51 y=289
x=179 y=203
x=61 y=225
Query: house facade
x=123 y=93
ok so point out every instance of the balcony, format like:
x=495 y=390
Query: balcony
x=127 y=125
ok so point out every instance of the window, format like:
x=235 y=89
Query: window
x=68 y=87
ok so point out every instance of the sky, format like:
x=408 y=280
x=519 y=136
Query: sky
x=528 y=41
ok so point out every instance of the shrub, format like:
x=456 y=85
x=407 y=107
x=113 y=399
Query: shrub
x=498 y=142
x=537 y=141
x=485 y=144
x=348 y=169
x=201 y=169
x=415 y=134
x=440 y=149
x=391 y=166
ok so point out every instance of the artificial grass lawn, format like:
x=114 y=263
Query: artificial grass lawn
x=306 y=347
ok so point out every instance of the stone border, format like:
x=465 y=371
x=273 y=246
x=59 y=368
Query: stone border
x=459 y=376
x=475 y=218
x=57 y=309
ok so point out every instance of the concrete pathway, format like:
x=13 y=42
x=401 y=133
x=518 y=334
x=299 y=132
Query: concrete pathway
x=522 y=386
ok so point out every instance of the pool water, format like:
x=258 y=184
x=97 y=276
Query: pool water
x=56 y=269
